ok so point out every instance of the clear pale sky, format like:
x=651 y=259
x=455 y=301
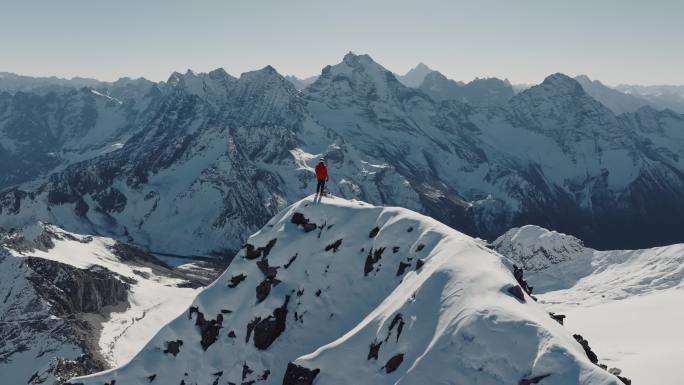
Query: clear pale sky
x=616 y=41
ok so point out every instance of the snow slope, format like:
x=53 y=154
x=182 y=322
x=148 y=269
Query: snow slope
x=627 y=303
x=110 y=331
x=378 y=295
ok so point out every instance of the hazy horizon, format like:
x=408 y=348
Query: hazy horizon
x=616 y=42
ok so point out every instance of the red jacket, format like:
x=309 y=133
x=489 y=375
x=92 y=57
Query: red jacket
x=321 y=171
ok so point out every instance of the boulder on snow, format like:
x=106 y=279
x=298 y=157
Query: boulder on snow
x=373 y=350
x=374 y=232
x=299 y=375
x=173 y=347
x=517 y=292
x=300 y=220
x=235 y=280
x=393 y=363
x=334 y=246
x=587 y=349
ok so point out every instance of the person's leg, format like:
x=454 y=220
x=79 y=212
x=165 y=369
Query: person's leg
x=322 y=186
x=319 y=186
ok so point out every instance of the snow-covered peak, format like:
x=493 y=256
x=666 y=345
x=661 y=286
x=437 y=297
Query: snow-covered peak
x=559 y=82
x=356 y=78
x=336 y=287
x=201 y=84
x=415 y=76
x=535 y=248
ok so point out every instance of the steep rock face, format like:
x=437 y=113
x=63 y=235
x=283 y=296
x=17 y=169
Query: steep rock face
x=210 y=157
x=451 y=319
x=41 y=327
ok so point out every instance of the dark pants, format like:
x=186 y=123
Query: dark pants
x=320 y=189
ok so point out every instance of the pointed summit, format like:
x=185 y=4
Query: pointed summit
x=415 y=76
x=358 y=78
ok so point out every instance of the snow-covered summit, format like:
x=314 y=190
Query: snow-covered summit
x=415 y=75
x=536 y=248
x=561 y=262
x=337 y=290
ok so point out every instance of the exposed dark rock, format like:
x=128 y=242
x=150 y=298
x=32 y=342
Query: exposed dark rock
x=268 y=271
x=334 y=246
x=235 y=280
x=517 y=292
x=372 y=258
x=409 y=229
x=587 y=349
x=299 y=375
x=269 y=329
x=151 y=378
x=395 y=249
x=209 y=330
x=374 y=232
x=264 y=375
x=420 y=247
x=373 y=350
x=253 y=253
x=393 y=363
x=402 y=268
x=533 y=380
x=173 y=347
x=231 y=334
x=246 y=371
x=420 y=263
x=300 y=220
x=518 y=275
x=290 y=261
x=262 y=290
x=226 y=311
x=71 y=290
x=558 y=317
x=250 y=327
x=318 y=293
x=396 y=321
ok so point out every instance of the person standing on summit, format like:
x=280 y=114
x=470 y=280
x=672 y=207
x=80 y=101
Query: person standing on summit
x=322 y=176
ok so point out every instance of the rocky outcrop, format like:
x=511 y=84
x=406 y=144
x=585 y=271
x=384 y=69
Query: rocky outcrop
x=71 y=291
x=299 y=375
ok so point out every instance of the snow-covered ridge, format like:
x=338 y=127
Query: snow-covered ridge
x=557 y=262
x=624 y=301
x=334 y=290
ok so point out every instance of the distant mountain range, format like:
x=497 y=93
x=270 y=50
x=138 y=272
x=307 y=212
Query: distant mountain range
x=196 y=163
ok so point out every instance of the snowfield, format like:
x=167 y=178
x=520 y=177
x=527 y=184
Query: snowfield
x=342 y=292
x=627 y=303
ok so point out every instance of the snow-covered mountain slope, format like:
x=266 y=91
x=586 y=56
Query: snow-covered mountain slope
x=75 y=304
x=479 y=92
x=626 y=302
x=206 y=159
x=618 y=101
x=415 y=75
x=337 y=291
